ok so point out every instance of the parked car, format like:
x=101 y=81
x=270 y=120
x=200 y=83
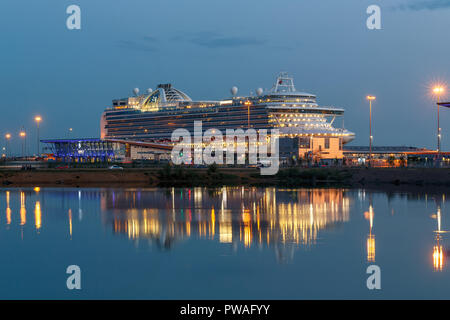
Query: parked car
x=115 y=167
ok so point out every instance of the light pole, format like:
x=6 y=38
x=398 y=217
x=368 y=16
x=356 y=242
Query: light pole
x=370 y=98
x=438 y=90
x=7 y=137
x=38 y=119
x=23 y=135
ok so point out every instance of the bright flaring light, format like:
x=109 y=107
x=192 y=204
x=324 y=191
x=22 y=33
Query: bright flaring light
x=38 y=119
x=438 y=90
x=370 y=97
x=22 y=134
x=8 y=136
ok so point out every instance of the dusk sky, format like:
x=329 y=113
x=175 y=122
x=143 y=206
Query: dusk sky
x=204 y=47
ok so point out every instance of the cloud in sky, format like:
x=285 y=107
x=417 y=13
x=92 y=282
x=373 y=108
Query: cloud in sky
x=144 y=45
x=426 y=5
x=150 y=38
x=226 y=42
x=205 y=39
x=216 y=40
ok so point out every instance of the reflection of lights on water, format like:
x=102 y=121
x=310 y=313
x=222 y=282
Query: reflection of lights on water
x=438 y=251
x=370 y=243
x=188 y=228
x=438 y=258
x=246 y=235
x=133 y=229
x=8 y=216
x=361 y=195
x=371 y=248
x=213 y=223
x=225 y=232
x=23 y=210
x=37 y=215
x=224 y=199
x=269 y=216
x=80 y=210
x=172 y=192
x=198 y=197
x=368 y=215
x=262 y=218
x=439 y=219
x=70 y=222
x=8 y=209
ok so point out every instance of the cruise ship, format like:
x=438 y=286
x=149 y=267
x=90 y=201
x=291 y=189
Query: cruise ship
x=152 y=117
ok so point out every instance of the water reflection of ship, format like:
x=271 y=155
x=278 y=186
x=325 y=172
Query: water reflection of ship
x=282 y=219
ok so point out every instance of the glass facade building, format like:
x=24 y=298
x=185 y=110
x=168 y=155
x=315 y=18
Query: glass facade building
x=85 y=150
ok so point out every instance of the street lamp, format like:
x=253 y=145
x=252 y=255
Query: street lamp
x=370 y=98
x=23 y=135
x=7 y=137
x=438 y=90
x=38 y=119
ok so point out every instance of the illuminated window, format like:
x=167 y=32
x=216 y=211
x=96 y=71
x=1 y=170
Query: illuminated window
x=305 y=143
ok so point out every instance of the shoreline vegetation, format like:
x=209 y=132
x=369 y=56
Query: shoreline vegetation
x=214 y=176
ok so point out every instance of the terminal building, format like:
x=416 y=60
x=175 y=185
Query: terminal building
x=105 y=150
x=394 y=156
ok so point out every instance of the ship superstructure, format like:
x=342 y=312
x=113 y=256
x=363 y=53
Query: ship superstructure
x=155 y=115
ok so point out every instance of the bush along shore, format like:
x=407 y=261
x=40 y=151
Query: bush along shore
x=179 y=176
x=213 y=176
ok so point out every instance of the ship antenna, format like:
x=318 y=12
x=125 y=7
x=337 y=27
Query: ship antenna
x=284 y=83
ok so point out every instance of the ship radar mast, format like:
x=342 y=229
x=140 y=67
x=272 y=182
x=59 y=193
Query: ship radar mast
x=284 y=83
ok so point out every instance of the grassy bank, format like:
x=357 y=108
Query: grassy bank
x=214 y=176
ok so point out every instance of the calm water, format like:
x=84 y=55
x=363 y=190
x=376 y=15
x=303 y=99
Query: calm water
x=223 y=243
